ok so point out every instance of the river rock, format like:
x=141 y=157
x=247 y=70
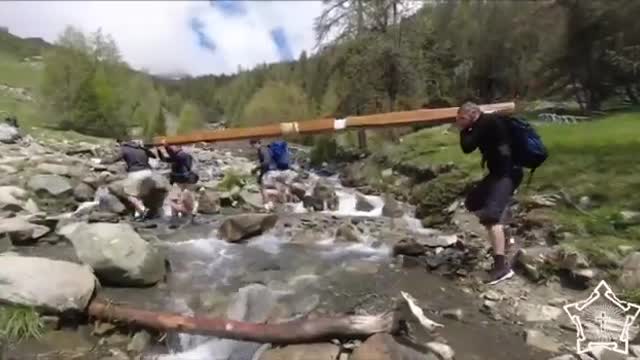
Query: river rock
x=117 y=253
x=323 y=197
x=384 y=347
x=241 y=227
x=438 y=240
x=208 y=202
x=408 y=246
x=20 y=231
x=139 y=342
x=83 y=192
x=299 y=190
x=54 y=169
x=8 y=134
x=53 y=185
x=538 y=339
x=630 y=218
x=539 y=313
x=630 y=278
x=108 y=202
x=8 y=170
x=444 y=351
x=12 y=198
x=50 y=284
x=348 y=233
x=534 y=261
x=363 y=204
x=392 y=208
x=103 y=217
x=254 y=200
x=303 y=352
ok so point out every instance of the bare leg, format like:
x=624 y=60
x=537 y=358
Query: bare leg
x=138 y=204
x=496 y=237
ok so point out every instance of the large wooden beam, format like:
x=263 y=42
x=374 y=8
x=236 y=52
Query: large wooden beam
x=401 y=118
x=298 y=331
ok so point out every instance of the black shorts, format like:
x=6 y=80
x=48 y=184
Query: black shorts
x=490 y=197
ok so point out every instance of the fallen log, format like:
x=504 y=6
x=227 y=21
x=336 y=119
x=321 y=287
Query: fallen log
x=298 y=331
x=393 y=119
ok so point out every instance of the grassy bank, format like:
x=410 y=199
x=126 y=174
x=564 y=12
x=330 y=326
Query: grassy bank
x=597 y=159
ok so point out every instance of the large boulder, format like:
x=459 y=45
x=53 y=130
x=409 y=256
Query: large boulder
x=118 y=255
x=108 y=202
x=53 y=185
x=8 y=134
x=20 y=231
x=43 y=283
x=241 y=227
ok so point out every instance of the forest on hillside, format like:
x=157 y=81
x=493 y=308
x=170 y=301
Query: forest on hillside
x=381 y=58
x=372 y=56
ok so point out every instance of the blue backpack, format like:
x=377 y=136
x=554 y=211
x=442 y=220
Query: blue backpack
x=526 y=146
x=280 y=154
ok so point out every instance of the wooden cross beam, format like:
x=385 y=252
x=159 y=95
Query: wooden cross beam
x=401 y=118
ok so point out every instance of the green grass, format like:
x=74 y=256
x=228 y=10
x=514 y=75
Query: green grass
x=17 y=73
x=598 y=159
x=19 y=323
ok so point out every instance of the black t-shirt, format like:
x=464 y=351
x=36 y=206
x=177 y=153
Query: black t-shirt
x=491 y=134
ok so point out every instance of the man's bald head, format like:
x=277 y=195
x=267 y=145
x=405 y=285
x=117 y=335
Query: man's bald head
x=468 y=113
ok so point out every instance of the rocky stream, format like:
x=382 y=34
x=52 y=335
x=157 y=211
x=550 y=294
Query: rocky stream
x=65 y=236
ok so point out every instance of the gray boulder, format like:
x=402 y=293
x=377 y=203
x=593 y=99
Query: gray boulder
x=54 y=169
x=391 y=208
x=116 y=252
x=348 y=233
x=83 y=192
x=58 y=286
x=108 y=202
x=20 y=231
x=363 y=204
x=53 y=185
x=241 y=227
x=208 y=202
x=8 y=134
x=12 y=198
x=153 y=192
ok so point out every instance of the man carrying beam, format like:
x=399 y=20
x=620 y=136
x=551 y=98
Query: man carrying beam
x=490 y=198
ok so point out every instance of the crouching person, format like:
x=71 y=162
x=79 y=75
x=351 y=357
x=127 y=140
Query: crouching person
x=139 y=174
x=274 y=176
x=183 y=204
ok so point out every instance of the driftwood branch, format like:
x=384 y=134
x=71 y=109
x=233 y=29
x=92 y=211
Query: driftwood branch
x=298 y=331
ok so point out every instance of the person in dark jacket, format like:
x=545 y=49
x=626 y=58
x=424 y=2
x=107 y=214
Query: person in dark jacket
x=136 y=158
x=491 y=196
x=183 y=176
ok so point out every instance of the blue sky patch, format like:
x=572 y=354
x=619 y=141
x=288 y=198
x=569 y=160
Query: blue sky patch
x=204 y=41
x=230 y=7
x=279 y=37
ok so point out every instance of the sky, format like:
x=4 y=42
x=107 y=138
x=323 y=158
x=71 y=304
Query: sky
x=168 y=37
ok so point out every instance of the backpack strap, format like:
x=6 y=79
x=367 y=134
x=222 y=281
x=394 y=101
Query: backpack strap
x=530 y=177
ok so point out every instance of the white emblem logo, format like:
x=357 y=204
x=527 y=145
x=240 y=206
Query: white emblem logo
x=602 y=321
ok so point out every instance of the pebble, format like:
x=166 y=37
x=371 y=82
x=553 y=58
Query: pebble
x=139 y=342
x=101 y=329
x=456 y=314
x=492 y=295
x=558 y=302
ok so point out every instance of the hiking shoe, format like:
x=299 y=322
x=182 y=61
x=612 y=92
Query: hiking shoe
x=498 y=275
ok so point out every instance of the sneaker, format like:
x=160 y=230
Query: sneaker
x=498 y=275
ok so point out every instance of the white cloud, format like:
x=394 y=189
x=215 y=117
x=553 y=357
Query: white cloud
x=156 y=34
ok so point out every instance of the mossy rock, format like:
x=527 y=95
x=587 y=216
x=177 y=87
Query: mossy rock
x=433 y=197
